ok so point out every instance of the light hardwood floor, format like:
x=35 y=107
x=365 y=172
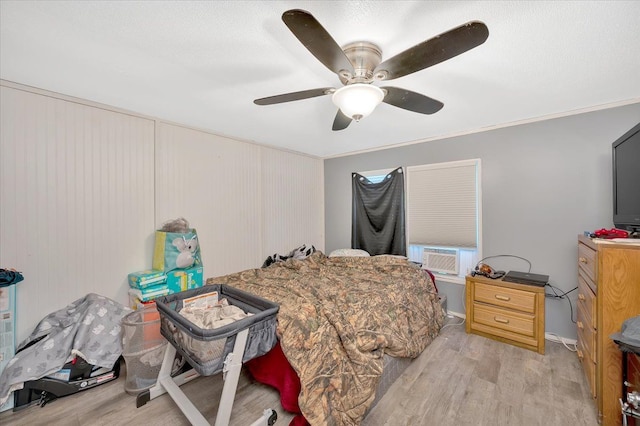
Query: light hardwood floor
x=465 y=379
x=459 y=379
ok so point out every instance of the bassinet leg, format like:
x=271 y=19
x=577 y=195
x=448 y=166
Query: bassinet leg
x=186 y=406
x=165 y=373
x=269 y=417
x=170 y=385
x=231 y=374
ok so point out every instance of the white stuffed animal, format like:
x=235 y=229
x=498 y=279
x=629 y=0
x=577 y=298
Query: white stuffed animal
x=187 y=250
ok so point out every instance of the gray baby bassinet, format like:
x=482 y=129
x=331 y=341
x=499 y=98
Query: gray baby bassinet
x=210 y=351
x=206 y=349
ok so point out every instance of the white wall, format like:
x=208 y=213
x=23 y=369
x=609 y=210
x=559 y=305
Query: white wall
x=84 y=186
x=196 y=169
x=292 y=194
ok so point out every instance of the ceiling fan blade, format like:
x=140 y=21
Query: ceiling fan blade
x=294 y=96
x=317 y=40
x=411 y=101
x=435 y=50
x=341 y=121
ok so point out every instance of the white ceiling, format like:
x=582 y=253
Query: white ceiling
x=203 y=63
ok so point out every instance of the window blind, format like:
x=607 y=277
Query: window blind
x=442 y=204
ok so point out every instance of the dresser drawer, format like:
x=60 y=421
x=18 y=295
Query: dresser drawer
x=588 y=366
x=587 y=261
x=586 y=334
x=587 y=300
x=504 y=319
x=506 y=297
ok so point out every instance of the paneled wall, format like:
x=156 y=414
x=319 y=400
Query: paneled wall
x=292 y=201
x=196 y=169
x=260 y=200
x=76 y=200
x=84 y=186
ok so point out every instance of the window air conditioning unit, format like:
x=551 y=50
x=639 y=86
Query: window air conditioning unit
x=441 y=260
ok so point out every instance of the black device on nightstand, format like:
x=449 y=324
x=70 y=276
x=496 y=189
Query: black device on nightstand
x=526 y=278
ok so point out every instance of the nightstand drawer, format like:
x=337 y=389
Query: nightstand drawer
x=506 y=297
x=515 y=322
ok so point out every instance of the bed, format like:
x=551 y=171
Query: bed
x=338 y=318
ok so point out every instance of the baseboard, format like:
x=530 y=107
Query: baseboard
x=548 y=336
x=559 y=339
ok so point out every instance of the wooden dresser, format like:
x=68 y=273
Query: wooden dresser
x=608 y=294
x=508 y=312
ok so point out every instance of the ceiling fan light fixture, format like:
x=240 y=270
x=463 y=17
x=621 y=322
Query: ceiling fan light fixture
x=358 y=100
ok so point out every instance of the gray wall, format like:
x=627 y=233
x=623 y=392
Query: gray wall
x=543 y=184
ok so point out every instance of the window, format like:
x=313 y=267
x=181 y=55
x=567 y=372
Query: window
x=444 y=217
x=376 y=176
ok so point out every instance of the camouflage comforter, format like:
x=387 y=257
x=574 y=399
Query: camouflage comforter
x=337 y=317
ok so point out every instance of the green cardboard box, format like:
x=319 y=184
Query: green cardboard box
x=184 y=279
x=146 y=278
x=151 y=292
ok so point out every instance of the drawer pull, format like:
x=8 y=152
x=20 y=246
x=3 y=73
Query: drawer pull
x=580 y=325
x=582 y=260
x=502 y=320
x=581 y=297
x=501 y=297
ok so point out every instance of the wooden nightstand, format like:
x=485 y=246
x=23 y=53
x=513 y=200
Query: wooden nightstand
x=504 y=311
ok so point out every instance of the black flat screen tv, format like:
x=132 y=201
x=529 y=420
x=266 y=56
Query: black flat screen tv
x=626 y=181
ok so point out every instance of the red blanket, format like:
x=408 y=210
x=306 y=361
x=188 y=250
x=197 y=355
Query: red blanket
x=285 y=380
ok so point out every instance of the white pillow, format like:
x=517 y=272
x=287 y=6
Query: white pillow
x=395 y=256
x=349 y=252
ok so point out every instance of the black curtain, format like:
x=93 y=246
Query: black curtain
x=378 y=214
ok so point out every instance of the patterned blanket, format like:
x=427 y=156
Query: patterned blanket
x=337 y=317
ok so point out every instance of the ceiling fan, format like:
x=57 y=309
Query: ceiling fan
x=359 y=64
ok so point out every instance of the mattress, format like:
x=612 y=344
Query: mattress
x=392 y=369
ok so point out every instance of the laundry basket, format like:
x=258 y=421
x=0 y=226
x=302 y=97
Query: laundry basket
x=143 y=348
